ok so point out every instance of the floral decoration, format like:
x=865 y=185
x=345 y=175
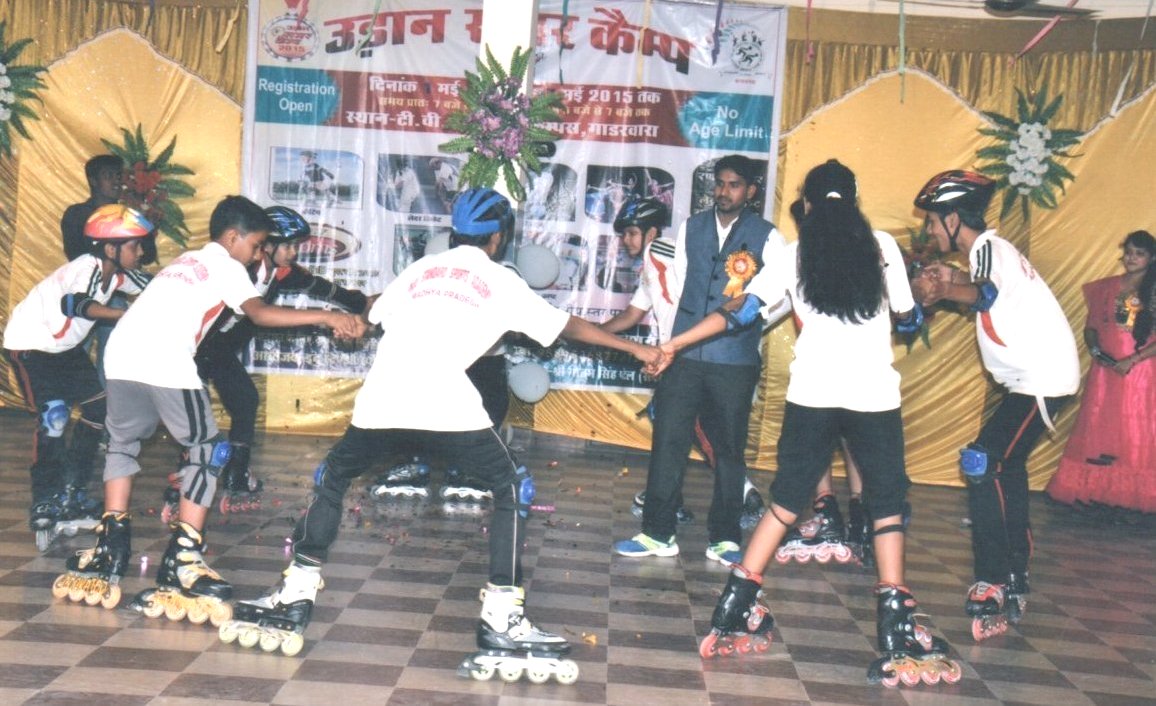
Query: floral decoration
x=150 y=185
x=500 y=125
x=18 y=88
x=1025 y=155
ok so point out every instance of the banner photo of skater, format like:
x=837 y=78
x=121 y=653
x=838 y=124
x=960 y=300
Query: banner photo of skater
x=652 y=101
x=348 y=109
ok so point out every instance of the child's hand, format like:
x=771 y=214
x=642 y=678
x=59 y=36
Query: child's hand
x=347 y=326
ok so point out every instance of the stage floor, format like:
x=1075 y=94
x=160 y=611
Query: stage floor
x=400 y=606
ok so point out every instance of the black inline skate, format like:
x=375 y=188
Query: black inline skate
x=186 y=586
x=910 y=653
x=278 y=619
x=405 y=480
x=1017 y=596
x=67 y=514
x=822 y=538
x=991 y=606
x=684 y=516
x=43 y=517
x=510 y=645
x=242 y=490
x=860 y=532
x=94 y=574
x=460 y=486
x=753 y=507
x=741 y=622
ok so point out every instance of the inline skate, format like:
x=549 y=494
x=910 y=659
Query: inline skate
x=94 y=574
x=753 y=507
x=822 y=538
x=405 y=480
x=684 y=516
x=242 y=488
x=993 y=605
x=741 y=622
x=67 y=513
x=186 y=586
x=860 y=533
x=278 y=619
x=910 y=653
x=510 y=645
x=463 y=487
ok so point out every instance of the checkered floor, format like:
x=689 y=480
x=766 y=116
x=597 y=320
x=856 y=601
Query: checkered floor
x=399 y=609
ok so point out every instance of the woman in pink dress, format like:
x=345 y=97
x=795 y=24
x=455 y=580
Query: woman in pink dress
x=1110 y=458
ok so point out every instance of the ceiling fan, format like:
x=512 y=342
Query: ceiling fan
x=1009 y=8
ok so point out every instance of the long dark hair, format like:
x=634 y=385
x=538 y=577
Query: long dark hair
x=1142 y=329
x=840 y=266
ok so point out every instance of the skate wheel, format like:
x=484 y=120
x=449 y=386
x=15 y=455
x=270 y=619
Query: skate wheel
x=269 y=642
x=76 y=593
x=111 y=599
x=709 y=646
x=977 y=629
x=743 y=645
x=510 y=673
x=930 y=678
x=823 y=554
x=153 y=609
x=248 y=638
x=92 y=598
x=221 y=613
x=198 y=615
x=223 y=506
x=908 y=675
x=292 y=645
x=538 y=675
x=803 y=557
x=567 y=672
x=175 y=613
x=891 y=682
x=844 y=554
x=761 y=645
x=43 y=539
x=482 y=672
x=782 y=556
x=227 y=633
x=952 y=672
x=60 y=586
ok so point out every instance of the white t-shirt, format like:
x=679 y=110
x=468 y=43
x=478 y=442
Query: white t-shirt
x=659 y=286
x=38 y=324
x=439 y=315
x=154 y=343
x=1025 y=340
x=837 y=363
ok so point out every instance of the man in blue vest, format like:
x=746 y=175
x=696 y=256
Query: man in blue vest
x=717 y=252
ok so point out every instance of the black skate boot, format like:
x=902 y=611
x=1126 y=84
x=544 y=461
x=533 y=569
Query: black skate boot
x=186 y=586
x=94 y=574
x=740 y=622
x=510 y=644
x=405 y=480
x=910 y=653
x=279 y=618
x=753 y=507
x=860 y=532
x=684 y=516
x=242 y=490
x=463 y=487
x=823 y=537
x=43 y=518
x=986 y=604
x=1017 y=596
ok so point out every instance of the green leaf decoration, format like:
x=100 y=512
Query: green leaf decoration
x=1022 y=157
x=151 y=184
x=500 y=125
x=19 y=87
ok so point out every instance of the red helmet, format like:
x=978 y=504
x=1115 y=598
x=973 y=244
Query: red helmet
x=114 y=222
x=954 y=190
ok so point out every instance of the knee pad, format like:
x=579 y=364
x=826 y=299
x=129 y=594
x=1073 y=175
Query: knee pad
x=54 y=416
x=973 y=461
x=526 y=491
x=211 y=455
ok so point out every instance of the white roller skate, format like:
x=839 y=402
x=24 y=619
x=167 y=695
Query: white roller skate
x=186 y=586
x=510 y=645
x=821 y=538
x=279 y=619
x=94 y=574
x=910 y=653
x=405 y=480
x=753 y=507
x=465 y=488
x=67 y=514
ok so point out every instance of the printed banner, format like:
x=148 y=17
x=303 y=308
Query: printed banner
x=347 y=105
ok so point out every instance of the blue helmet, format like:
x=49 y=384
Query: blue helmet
x=480 y=212
x=289 y=224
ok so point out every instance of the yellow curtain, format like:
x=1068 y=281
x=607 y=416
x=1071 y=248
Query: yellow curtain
x=179 y=72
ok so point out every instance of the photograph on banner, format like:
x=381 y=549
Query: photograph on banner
x=651 y=99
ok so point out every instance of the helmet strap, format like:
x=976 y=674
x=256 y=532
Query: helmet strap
x=953 y=233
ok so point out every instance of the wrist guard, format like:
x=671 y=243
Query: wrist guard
x=913 y=322
x=746 y=314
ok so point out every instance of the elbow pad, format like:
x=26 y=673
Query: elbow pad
x=76 y=305
x=745 y=315
x=987 y=293
x=913 y=322
x=321 y=289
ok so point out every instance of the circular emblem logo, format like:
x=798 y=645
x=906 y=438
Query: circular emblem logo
x=328 y=244
x=746 y=47
x=290 y=37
